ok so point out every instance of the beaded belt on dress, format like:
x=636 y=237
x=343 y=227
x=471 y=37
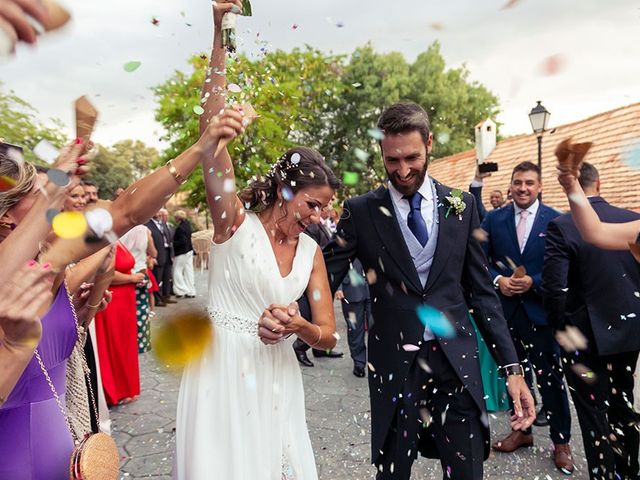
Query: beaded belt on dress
x=233 y=323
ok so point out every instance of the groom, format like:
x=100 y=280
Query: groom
x=425 y=384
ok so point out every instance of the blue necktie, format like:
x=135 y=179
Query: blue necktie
x=415 y=222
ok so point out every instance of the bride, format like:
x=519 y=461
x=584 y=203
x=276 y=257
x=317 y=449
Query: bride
x=241 y=413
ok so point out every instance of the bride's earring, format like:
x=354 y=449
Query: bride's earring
x=280 y=204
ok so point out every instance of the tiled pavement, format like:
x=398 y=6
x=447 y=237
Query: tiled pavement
x=337 y=415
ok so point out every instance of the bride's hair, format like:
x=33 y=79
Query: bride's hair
x=298 y=168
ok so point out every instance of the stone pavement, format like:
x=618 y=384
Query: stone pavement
x=337 y=414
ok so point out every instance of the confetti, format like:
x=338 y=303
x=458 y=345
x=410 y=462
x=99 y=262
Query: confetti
x=553 y=65
x=443 y=137
x=376 y=134
x=99 y=221
x=58 y=177
x=509 y=4
x=585 y=373
x=198 y=110
x=371 y=276
x=155 y=22
x=630 y=154
x=360 y=154
x=6 y=183
x=407 y=347
x=295 y=158
x=437 y=26
x=287 y=193
x=435 y=321
x=130 y=67
x=229 y=185
x=385 y=211
x=571 y=339
x=234 y=88
x=69 y=225
x=182 y=338
x=350 y=178
x=294 y=26
x=340 y=24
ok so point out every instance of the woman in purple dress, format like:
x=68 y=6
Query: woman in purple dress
x=35 y=441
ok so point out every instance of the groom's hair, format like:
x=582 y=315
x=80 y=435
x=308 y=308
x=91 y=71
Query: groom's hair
x=405 y=117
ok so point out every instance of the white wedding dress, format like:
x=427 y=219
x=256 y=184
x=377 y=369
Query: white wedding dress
x=241 y=413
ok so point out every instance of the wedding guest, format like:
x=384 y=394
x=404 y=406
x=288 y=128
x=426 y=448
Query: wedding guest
x=117 y=332
x=136 y=241
x=184 y=282
x=90 y=192
x=516 y=234
x=162 y=271
x=75 y=200
x=594 y=291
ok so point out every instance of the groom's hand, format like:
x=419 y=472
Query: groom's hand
x=523 y=406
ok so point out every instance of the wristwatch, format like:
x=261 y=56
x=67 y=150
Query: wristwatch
x=513 y=369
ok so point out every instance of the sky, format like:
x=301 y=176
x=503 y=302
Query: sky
x=579 y=57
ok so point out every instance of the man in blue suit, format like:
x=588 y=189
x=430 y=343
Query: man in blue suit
x=516 y=239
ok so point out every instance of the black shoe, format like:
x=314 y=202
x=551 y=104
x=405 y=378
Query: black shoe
x=541 y=418
x=160 y=303
x=327 y=353
x=358 y=371
x=180 y=296
x=169 y=300
x=190 y=296
x=301 y=355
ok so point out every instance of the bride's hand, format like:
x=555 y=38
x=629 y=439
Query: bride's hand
x=277 y=321
x=222 y=7
x=223 y=128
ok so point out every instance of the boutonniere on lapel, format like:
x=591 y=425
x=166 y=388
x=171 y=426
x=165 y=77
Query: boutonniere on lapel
x=456 y=203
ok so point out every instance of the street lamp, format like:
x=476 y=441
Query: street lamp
x=539 y=118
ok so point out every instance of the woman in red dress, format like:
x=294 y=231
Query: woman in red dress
x=117 y=330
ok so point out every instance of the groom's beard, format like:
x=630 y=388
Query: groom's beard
x=418 y=180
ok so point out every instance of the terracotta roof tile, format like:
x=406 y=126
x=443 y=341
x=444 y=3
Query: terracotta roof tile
x=610 y=132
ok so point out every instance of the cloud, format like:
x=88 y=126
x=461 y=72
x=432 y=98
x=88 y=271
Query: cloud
x=503 y=49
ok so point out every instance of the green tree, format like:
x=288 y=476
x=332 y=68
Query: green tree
x=20 y=125
x=120 y=165
x=326 y=102
x=296 y=94
x=373 y=81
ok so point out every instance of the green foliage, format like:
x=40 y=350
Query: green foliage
x=326 y=102
x=20 y=126
x=120 y=165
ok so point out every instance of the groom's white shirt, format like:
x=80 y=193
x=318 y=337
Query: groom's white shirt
x=422 y=256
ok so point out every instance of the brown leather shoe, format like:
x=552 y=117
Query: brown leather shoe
x=514 y=441
x=562 y=458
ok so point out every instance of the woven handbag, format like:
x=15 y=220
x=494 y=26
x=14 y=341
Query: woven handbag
x=95 y=457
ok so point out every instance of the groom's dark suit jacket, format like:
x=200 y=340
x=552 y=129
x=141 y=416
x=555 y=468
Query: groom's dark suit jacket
x=458 y=280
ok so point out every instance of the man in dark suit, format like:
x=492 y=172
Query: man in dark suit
x=322 y=235
x=595 y=291
x=516 y=238
x=162 y=270
x=356 y=308
x=424 y=378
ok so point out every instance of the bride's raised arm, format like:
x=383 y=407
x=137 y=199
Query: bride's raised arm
x=219 y=177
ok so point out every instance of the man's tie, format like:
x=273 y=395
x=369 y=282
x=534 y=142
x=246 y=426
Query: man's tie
x=415 y=222
x=521 y=228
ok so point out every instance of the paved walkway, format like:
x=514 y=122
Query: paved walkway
x=338 y=417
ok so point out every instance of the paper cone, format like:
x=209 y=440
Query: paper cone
x=86 y=117
x=571 y=155
x=519 y=272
